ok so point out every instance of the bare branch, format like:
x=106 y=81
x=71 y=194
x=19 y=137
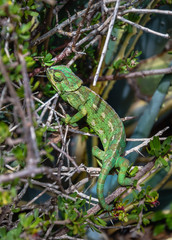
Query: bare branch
x=143 y=73
x=146 y=11
x=32 y=151
x=106 y=42
x=144 y=28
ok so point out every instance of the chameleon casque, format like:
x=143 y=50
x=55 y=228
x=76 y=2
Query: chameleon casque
x=101 y=118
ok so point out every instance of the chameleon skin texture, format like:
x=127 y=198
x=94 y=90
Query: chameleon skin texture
x=101 y=118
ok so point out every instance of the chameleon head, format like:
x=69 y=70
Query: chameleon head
x=63 y=79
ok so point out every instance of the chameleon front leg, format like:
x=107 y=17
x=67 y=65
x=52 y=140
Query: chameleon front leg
x=79 y=115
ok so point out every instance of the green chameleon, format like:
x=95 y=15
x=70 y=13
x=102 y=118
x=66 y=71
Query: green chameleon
x=101 y=118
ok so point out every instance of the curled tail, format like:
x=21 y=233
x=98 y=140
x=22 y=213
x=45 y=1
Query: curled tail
x=100 y=187
x=122 y=164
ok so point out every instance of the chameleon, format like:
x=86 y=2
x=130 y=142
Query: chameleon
x=103 y=120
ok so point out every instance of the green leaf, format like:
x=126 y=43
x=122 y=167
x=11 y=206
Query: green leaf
x=155 y=147
x=29 y=61
x=117 y=63
x=25 y=27
x=163 y=162
x=134 y=194
x=24 y=36
x=2 y=232
x=146 y=221
x=22 y=217
x=148 y=189
x=134 y=171
x=35 y=223
x=20 y=152
x=20 y=92
x=49 y=63
x=4 y=132
x=16 y=210
x=154 y=194
x=48 y=57
x=166 y=145
x=133 y=217
x=159 y=228
x=35 y=86
x=36 y=213
x=169 y=222
x=73 y=216
x=101 y=222
x=15 y=233
x=33 y=14
x=28 y=221
x=158 y=216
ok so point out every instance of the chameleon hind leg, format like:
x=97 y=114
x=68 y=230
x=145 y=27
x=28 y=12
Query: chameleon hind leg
x=98 y=153
x=122 y=164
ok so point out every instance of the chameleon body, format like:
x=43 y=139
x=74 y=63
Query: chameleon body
x=101 y=118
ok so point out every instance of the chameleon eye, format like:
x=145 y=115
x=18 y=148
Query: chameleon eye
x=58 y=76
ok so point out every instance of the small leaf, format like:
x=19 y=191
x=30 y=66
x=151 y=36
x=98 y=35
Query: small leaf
x=117 y=64
x=48 y=57
x=169 y=222
x=163 y=162
x=4 y=132
x=159 y=228
x=36 y=213
x=101 y=222
x=158 y=216
x=49 y=63
x=16 y=210
x=35 y=223
x=36 y=85
x=25 y=27
x=2 y=232
x=146 y=221
x=33 y=14
x=134 y=171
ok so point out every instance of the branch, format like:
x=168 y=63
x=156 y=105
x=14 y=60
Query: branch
x=13 y=94
x=158 y=11
x=60 y=26
x=144 y=28
x=66 y=155
x=134 y=74
x=106 y=42
x=32 y=150
x=27 y=172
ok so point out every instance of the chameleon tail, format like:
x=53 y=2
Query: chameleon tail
x=100 y=187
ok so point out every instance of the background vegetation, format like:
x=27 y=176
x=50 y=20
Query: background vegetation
x=48 y=176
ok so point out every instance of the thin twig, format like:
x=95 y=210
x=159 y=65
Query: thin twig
x=27 y=172
x=146 y=141
x=158 y=11
x=106 y=42
x=144 y=28
x=32 y=150
x=142 y=74
x=60 y=26
x=66 y=155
